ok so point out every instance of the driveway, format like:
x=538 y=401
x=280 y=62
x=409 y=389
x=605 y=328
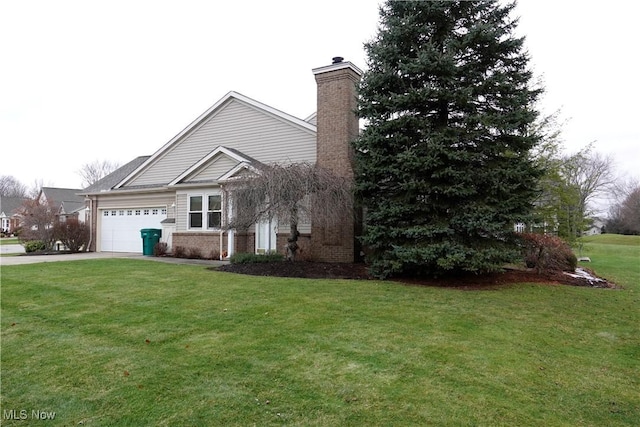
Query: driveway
x=22 y=259
x=11 y=249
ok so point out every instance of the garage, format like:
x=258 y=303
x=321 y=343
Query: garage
x=120 y=228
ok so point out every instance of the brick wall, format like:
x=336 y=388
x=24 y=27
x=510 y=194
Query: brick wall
x=337 y=126
x=304 y=246
x=206 y=244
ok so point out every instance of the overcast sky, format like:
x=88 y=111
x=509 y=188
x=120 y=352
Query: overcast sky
x=111 y=80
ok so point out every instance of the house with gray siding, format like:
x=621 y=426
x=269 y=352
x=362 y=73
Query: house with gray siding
x=180 y=188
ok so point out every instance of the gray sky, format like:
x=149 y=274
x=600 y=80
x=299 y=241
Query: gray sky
x=111 y=80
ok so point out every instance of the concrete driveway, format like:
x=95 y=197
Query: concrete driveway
x=23 y=259
x=11 y=249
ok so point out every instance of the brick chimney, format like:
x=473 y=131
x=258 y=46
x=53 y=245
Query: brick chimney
x=337 y=126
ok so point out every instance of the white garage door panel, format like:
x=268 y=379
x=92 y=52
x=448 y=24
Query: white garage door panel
x=120 y=228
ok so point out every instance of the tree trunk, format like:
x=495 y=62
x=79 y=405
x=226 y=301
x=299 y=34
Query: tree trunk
x=292 y=240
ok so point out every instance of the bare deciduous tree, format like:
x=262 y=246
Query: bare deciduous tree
x=38 y=219
x=591 y=172
x=586 y=176
x=96 y=170
x=624 y=214
x=73 y=234
x=291 y=193
x=630 y=211
x=11 y=187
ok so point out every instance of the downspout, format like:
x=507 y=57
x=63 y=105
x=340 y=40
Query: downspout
x=221 y=240
x=88 y=249
x=223 y=221
x=230 y=232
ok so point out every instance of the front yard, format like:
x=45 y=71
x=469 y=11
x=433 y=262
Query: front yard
x=131 y=343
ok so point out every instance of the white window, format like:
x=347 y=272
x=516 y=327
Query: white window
x=154 y=212
x=205 y=210
x=145 y=212
x=195 y=211
x=129 y=212
x=214 y=211
x=137 y=211
x=120 y=213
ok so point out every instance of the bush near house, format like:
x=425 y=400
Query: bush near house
x=547 y=253
x=192 y=253
x=249 y=258
x=34 y=246
x=160 y=249
x=73 y=234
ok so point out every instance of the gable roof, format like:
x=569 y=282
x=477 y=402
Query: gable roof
x=110 y=181
x=9 y=205
x=200 y=120
x=65 y=200
x=234 y=154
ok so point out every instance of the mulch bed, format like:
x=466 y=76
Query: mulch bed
x=321 y=270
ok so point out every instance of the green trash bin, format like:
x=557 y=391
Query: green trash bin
x=150 y=237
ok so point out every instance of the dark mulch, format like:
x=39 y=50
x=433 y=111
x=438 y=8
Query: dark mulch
x=321 y=270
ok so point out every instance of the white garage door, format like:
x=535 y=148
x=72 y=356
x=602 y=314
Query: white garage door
x=120 y=228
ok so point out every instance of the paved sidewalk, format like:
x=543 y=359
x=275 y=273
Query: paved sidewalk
x=34 y=259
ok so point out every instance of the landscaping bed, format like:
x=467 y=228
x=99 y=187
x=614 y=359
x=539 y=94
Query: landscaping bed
x=321 y=270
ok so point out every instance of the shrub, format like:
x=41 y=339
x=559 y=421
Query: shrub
x=194 y=253
x=160 y=249
x=249 y=258
x=547 y=253
x=72 y=233
x=179 y=252
x=34 y=246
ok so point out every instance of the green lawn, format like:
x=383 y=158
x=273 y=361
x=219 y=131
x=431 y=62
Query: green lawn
x=132 y=343
x=9 y=241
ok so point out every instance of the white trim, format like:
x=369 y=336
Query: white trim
x=231 y=243
x=205 y=159
x=237 y=168
x=204 y=211
x=336 y=66
x=267 y=229
x=310 y=117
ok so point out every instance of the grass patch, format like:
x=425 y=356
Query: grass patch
x=612 y=239
x=9 y=241
x=613 y=256
x=133 y=342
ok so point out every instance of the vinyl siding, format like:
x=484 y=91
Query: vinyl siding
x=137 y=200
x=181 y=212
x=240 y=126
x=217 y=167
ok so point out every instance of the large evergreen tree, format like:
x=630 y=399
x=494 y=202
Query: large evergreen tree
x=444 y=165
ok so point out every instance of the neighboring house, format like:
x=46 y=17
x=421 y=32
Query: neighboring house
x=180 y=188
x=10 y=214
x=65 y=201
x=596 y=226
